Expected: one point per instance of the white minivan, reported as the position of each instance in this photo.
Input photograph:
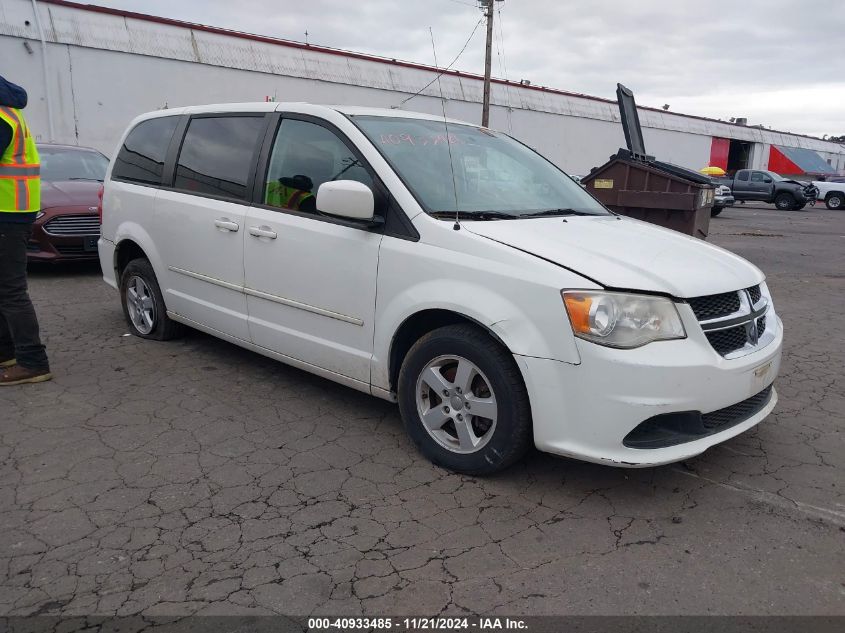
(442, 265)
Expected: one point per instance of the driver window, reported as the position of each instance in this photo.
(304, 156)
(759, 176)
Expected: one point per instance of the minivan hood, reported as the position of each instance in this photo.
(624, 253)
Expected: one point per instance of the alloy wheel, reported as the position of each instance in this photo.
(140, 304)
(456, 404)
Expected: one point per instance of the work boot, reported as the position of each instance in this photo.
(17, 375)
(8, 362)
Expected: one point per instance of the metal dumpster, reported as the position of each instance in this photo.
(637, 185)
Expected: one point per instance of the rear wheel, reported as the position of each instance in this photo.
(784, 201)
(834, 201)
(463, 401)
(143, 303)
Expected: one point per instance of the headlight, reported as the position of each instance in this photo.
(618, 319)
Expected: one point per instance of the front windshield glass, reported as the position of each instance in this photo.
(70, 164)
(493, 173)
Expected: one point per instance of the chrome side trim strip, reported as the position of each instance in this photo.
(302, 306)
(269, 297)
(211, 280)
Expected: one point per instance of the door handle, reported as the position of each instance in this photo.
(226, 224)
(262, 231)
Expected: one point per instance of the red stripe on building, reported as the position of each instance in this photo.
(780, 164)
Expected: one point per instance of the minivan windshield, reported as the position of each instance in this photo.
(491, 176)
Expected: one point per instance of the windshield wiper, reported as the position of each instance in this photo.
(477, 215)
(81, 178)
(559, 212)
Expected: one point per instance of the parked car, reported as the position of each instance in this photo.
(68, 226)
(832, 192)
(722, 197)
(355, 243)
(767, 186)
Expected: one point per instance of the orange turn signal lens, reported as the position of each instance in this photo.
(578, 308)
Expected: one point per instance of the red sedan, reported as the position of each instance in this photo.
(67, 227)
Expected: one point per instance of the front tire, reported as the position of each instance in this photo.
(463, 401)
(834, 201)
(784, 201)
(143, 303)
(714, 211)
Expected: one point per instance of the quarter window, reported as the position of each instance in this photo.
(216, 155)
(305, 155)
(141, 158)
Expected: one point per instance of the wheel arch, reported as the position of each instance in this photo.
(418, 325)
(125, 251)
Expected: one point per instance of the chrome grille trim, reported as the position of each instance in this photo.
(739, 332)
(80, 225)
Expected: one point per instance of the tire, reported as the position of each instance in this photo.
(784, 201)
(143, 303)
(798, 206)
(834, 201)
(714, 211)
(495, 385)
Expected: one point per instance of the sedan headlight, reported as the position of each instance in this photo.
(623, 320)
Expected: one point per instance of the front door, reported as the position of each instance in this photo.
(310, 278)
(199, 224)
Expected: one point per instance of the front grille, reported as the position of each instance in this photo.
(714, 306)
(729, 340)
(73, 225)
(761, 326)
(736, 413)
(754, 291)
(71, 250)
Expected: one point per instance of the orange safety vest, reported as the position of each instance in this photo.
(20, 168)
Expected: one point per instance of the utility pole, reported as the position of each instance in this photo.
(485, 108)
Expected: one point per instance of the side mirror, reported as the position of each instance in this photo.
(346, 199)
(767, 180)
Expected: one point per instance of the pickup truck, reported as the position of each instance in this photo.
(767, 186)
(832, 192)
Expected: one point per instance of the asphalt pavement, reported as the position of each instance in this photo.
(196, 477)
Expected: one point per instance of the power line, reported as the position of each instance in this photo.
(442, 72)
(504, 65)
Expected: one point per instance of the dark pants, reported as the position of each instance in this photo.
(19, 337)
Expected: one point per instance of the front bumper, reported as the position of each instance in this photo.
(585, 411)
(48, 247)
(723, 201)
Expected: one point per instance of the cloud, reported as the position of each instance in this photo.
(775, 62)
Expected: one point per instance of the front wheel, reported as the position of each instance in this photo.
(714, 211)
(143, 303)
(463, 401)
(784, 201)
(834, 201)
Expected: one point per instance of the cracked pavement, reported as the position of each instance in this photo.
(194, 477)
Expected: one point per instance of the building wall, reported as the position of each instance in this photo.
(105, 69)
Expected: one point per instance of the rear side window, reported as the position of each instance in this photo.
(141, 158)
(217, 155)
(743, 175)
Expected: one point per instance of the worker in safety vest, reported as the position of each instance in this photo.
(292, 193)
(22, 356)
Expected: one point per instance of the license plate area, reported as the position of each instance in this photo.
(89, 243)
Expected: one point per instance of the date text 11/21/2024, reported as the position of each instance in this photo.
(417, 624)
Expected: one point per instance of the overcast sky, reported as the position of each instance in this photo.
(776, 62)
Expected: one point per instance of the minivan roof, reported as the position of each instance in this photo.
(300, 107)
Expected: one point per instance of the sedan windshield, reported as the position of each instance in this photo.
(71, 164)
(473, 170)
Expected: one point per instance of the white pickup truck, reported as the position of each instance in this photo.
(831, 192)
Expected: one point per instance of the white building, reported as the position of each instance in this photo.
(105, 66)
